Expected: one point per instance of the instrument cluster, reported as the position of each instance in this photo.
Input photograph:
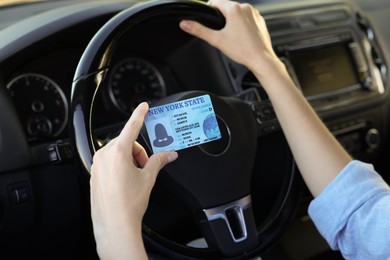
(41, 104)
(132, 81)
(42, 98)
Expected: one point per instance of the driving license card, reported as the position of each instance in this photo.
(182, 124)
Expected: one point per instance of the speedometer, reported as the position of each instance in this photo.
(41, 105)
(133, 81)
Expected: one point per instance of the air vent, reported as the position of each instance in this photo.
(330, 17)
(374, 51)
(281, 25)
(306, 21)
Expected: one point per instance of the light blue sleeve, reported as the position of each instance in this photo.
(353, 213)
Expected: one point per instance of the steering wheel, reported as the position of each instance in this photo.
(217, 180)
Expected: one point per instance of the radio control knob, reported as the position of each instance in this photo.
(373, 138)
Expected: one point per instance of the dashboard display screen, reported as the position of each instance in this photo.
(323, 70)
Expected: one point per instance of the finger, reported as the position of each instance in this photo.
(132, 128)
(218, 3)
(198, 30)
(157, 161)
(226, 7)
(140, 155)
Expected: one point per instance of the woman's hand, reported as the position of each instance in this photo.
(122, 178)
(244, 38)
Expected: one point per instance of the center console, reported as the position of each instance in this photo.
(332, 55)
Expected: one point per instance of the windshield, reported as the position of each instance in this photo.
(17, 2)
(13, 11)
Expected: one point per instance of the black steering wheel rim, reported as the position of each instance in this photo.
(89, 75)
(95, 60)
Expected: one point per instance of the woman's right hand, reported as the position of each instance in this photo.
(244, 38)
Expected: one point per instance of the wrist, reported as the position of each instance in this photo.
(121, 241)
(271, 72)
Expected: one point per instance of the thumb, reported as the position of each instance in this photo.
(198, 30)
(157, 161)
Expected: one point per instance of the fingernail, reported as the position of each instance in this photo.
(142, 104)
(185, 25)
(172, 156)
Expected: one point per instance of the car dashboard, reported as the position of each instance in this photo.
(337, 53)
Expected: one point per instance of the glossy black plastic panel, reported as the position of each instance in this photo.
(14, 151)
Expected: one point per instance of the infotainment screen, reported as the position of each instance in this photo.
(324, 69)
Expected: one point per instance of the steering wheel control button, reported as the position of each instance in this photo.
(263, 111)
(265, 117)
(270, 128)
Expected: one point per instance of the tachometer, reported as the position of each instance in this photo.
(41, 105)
(133, 81)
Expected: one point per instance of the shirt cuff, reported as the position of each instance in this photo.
(352, 187)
